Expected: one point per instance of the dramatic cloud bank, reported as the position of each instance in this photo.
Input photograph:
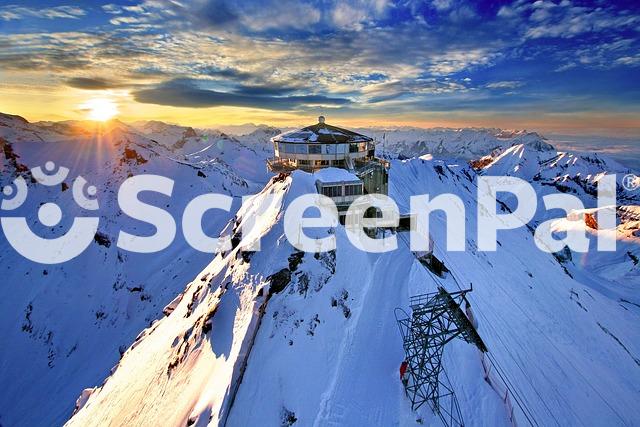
(358, 58)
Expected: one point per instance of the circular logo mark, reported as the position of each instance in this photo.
(49, 250)
(631, 182)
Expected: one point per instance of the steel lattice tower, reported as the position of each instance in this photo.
(436, 318)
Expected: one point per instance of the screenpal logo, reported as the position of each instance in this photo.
(360, 225)
(43, 250)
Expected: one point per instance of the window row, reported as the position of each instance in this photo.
(321, 148)
(337, 163)
(336, 190)
(353, 190)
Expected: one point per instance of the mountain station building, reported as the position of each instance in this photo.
(342, 161)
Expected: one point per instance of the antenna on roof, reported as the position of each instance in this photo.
(321, 120)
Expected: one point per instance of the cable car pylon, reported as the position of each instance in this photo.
(436, 319)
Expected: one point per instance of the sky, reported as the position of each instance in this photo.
(563, 66)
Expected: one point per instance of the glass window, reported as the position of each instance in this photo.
(300, 148)
(315, 149)
(329, 149)
(341, 148)
(332, 191)
(353, 190)
(353, 148)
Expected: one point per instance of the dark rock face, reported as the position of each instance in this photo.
(12, 157)
(102, 239)
(295, 259)
(590, 221)
(279, 281)
(131, 154)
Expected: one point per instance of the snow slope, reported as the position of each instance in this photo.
(571, 172)
(577, 174)
(63, 327)
(464, 144)
(245, 154)
(327, 348)
(315, 342)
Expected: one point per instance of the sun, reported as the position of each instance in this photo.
(100, 109)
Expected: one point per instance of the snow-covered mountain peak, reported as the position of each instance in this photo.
(461, 143)
(539, 162)
(11, 119)
(540, 144)
(263, 133)
(312, 337)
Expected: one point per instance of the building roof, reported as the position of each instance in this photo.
(334, 175)
(321, 133)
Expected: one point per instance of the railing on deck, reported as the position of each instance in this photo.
(276, 164)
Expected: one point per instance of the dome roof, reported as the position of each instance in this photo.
(321, 133)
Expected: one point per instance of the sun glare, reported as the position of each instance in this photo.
(100, 109)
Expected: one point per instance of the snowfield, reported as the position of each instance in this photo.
(280, 337)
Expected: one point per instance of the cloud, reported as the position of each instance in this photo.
(411, 90)
(127, 20)
(27, 53)
(265, 90)
(261, 16)
(92, 83)
(629, 60)
(506, 84)
(252, 16)
(112, 8)
(15, 12)
(442, 4)
(181, 93)
(546, 19)
(136, 9)
(459, 60)
(67, 52)
(462, 14)
(346, 16)
(601, 54)
(279, 14)
(281, 55)
(354, 14)
(215, 13)
(225, 72)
